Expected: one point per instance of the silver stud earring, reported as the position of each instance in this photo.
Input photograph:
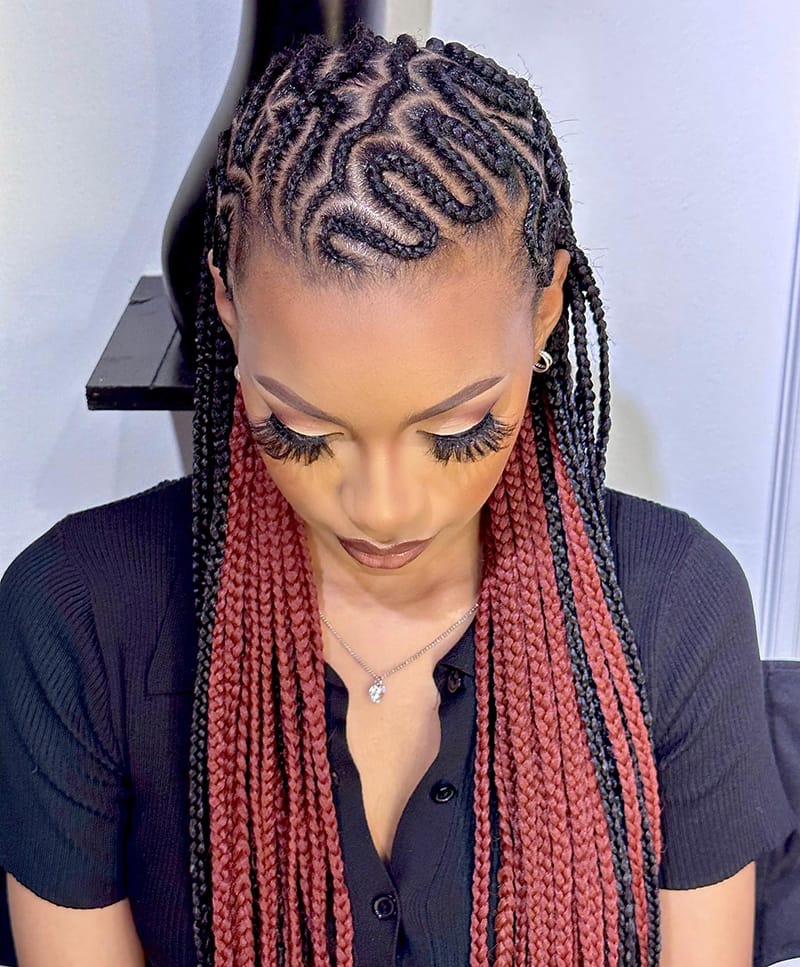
(543, 363)
(236, 372)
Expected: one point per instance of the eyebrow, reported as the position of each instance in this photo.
(291, 398)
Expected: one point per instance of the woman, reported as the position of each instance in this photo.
(454, 700)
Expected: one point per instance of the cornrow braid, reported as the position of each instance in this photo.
(358, 160)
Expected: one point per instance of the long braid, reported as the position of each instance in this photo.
(211, 426)
(563, 729)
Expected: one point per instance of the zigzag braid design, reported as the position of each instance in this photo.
(379, 107)
(334, 111)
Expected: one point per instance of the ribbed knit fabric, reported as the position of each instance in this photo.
(97, 641)
(97, 656)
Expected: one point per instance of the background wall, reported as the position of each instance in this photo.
(101, 112)
(681, 130)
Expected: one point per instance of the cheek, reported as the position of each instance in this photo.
(469, 489)
(304, 487)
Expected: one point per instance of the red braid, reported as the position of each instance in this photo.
(270, 797)
(273, 824)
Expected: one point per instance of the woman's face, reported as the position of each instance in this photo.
(387, 415)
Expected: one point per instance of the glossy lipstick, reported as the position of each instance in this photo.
(388, 558)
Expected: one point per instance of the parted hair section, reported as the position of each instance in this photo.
(357, 161)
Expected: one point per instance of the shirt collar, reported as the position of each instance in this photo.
(462, 654)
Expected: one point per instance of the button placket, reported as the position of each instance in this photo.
(376, 910)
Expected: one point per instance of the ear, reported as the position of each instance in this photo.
(551, 301)
(224, 302)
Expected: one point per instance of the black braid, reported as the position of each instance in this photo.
(377, 114)
(213, 410)
(602, 755)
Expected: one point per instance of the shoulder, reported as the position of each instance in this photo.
(133, 530)
(667, 560)
(687, 599)
(96, 589)
(653, 543)
(691, 611)
(83, 612)
(111, 543)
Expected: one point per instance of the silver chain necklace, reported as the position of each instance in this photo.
(378, 687)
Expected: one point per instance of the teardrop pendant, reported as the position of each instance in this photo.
(377, 690)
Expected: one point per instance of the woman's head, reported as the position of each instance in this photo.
(387, 225)
(361, 367)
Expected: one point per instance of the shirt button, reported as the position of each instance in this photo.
(454, 682)
(443, 792)
(384, 906)
(334, 777)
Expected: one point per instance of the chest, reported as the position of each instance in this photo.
(392, 746)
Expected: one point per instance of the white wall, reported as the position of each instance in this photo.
(100, 112)
(680, 127)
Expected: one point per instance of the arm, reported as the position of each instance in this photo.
(46, 934)
(710, 924)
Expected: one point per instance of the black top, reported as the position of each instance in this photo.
(97, 652)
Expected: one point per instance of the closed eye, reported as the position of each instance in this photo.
(282, 443)
(485, 437)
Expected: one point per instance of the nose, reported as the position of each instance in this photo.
(384, 498)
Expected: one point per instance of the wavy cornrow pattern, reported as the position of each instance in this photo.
(360, 160)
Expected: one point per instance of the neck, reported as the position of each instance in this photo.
(440, 581)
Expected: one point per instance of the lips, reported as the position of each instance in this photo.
(374, 549)
(384, 557)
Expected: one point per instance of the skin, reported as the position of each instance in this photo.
(46, 934)
(370, 358)
(709, 925)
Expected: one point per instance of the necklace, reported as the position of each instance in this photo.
(378, 687)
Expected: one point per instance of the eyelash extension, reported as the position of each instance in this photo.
(281, 443)
(476, 442)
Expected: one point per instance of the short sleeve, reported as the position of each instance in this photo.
(723, 803)
(63, 796)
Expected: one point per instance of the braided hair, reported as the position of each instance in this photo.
(563, 747)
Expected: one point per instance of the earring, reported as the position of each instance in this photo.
(543, 363)
(236, 372)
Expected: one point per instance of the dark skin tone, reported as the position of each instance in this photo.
(370, 359)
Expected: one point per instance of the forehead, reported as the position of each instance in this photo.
(469, 304)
